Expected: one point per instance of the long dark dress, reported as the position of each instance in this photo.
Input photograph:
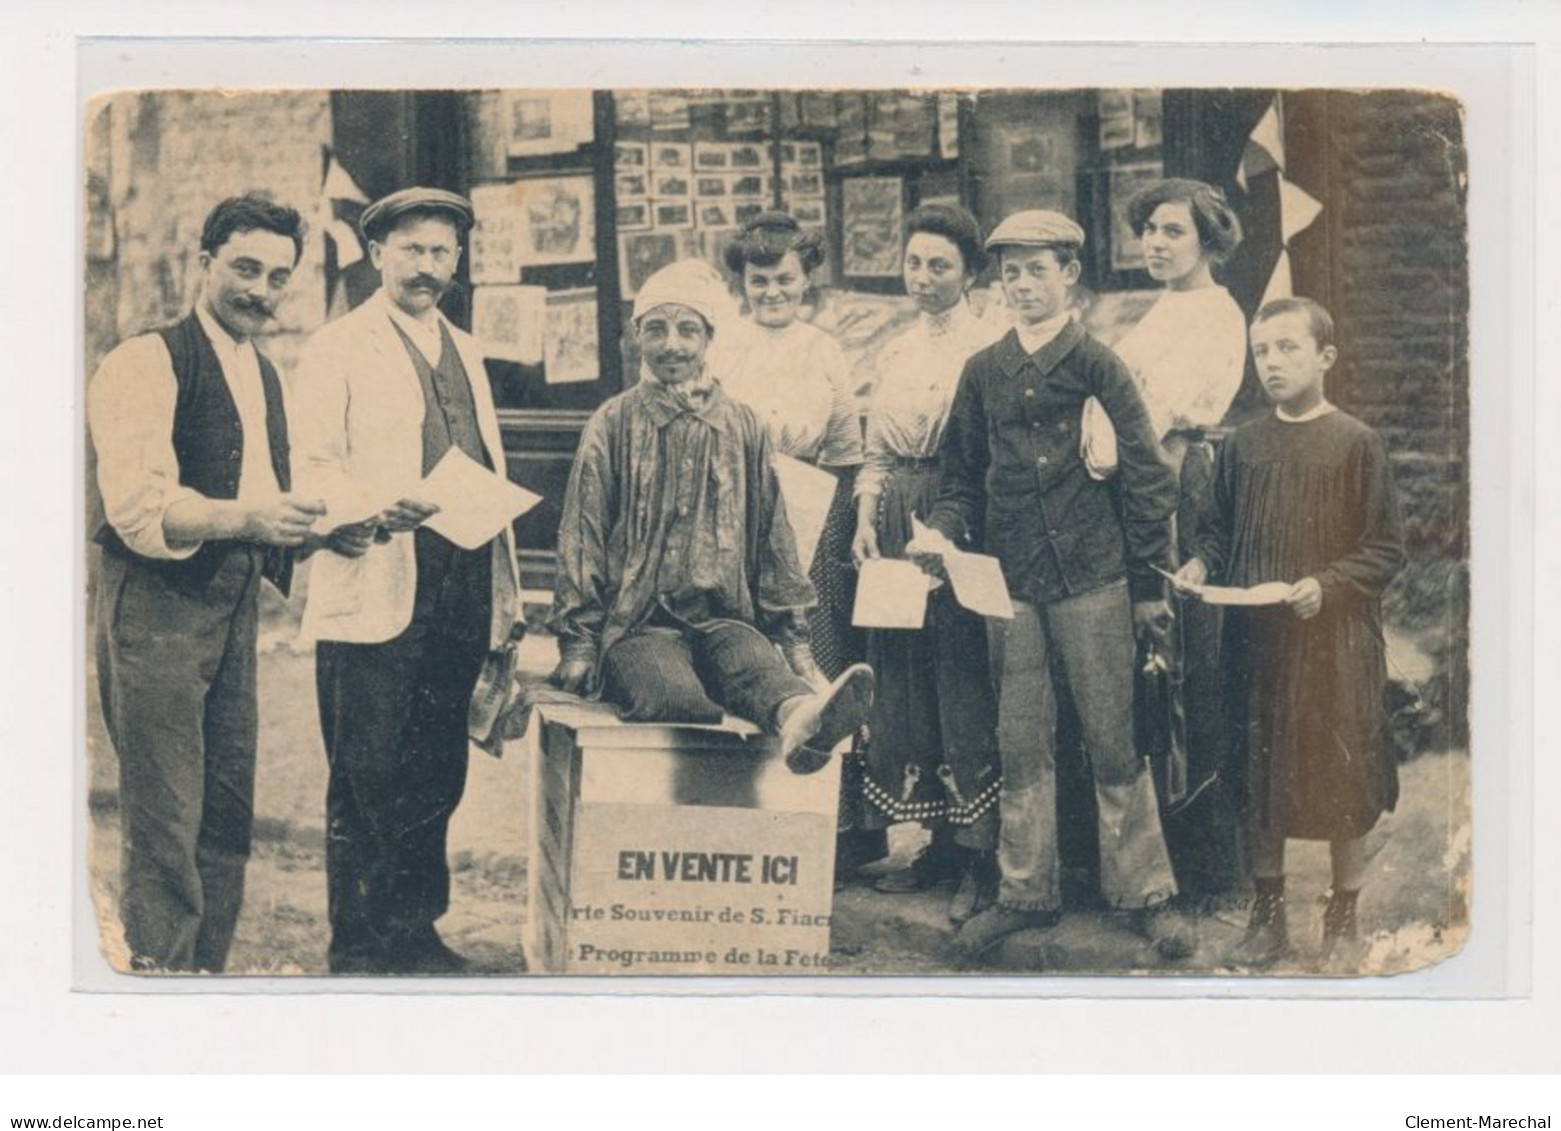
(933, 755)
(1294, 500)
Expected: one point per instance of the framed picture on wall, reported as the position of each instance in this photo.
(1127, 252)
(872, 213)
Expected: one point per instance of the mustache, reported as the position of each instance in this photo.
(253, 305)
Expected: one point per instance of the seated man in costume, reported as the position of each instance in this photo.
(679, 593)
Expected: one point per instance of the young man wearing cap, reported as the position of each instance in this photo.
(403, 617)
(1079, 555)
(190, 433)
(679, 595)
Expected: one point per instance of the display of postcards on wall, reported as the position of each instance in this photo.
(900, 126)
(851, 144)
(630, 156)
(805, 184)
(535, 222)
(746, 156)
(807, 211)
(1115, 108)
(1127, 252)
(642, 254)
(747, 112)
(745, 210)
(547, 121)
(948, 125)
(1148, 131)
(674, 214)
(712, 155)
(819, 110)
(670, 183)
(507, 320)
(790, 109)
(570, 337)
(713, 215)
(872, 211)
(670, 155)
(749, 184)
(801, 155)
(668, 110)
(633, 215)
(631, 109)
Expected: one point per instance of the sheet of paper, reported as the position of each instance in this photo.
(977, 579)
(475, 504)
(362, 504)
(1268, 593)
(890, 593)
(979, 585)
(808, 493)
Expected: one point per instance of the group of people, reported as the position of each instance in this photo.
(680, 594)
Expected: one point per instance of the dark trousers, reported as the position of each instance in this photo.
(394, 720)
(176, 670)
(697, 674)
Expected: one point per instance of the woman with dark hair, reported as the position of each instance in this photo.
(797, 379)
(933, 751)
(1189, 351)
(1187, 355)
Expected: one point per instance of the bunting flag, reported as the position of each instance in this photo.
(1297, 208)
(341, 203)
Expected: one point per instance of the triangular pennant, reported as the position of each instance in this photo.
(339, 184)
(1297, 209)
(1268, 136)
(1279, 283)
(349, 249)
(1254, 162)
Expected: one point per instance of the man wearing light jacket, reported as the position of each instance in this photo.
(403, 617)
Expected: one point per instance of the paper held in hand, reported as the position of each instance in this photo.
(475, 504)
(1268, 593)
(890, 593)
(977, 578)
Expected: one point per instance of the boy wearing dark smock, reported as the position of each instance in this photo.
(1304, 495)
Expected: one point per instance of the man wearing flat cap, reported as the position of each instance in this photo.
(679, 594)
(403, 617)
(1080, 553)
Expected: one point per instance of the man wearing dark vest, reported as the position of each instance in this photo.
(403, 617)
(192, 462)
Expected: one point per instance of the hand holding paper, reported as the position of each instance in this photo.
(474, 504)
(1268, 593)
(977, 578)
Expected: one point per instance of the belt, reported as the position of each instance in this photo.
(914, 463)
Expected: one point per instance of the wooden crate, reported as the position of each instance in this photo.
(676, 849)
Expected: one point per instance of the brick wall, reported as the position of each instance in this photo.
(1390, 258)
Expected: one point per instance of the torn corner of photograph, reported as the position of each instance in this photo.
(475, 504)
(890, 593)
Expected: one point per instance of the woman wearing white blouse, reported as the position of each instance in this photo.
(1188, 355)
(933, 751)
(797, 379)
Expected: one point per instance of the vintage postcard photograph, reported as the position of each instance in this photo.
(705, 532)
